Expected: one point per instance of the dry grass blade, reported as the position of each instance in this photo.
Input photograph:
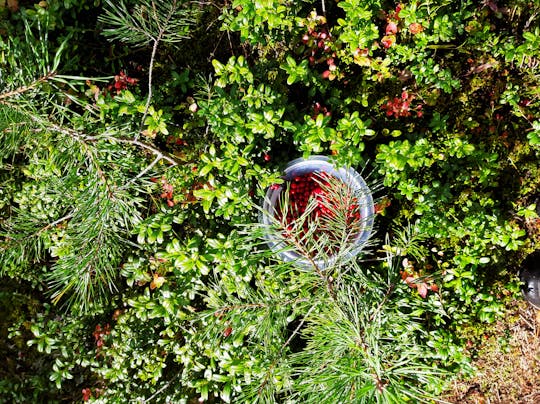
(508, 363)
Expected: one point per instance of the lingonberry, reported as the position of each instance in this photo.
(391, 28)
(388, 40)
(326, 204)
(415, 28)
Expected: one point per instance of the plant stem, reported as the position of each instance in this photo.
(149, 96)
(146, 169)
(156, 41)
(383, 301)
(148, 147)
(162, 389)
(223, 310)
(87, 138)
(300, 248)
(29, 87)
(273, 364)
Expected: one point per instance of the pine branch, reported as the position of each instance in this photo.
(29, 55)
(301, 249)
(361, 343)
(266, 378)
(98, 207)
(246, 306)
(156, 41)
(149, 22)
(14, 128)
(93, 242)
(162, 155)
(324, 243)
(24, 89)
(46, 124)
(25, 234)
(355, 354)
(90, 240)
(94, 183)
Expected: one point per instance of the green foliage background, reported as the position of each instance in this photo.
(137, 139)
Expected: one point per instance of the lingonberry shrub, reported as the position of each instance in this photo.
(402, 106)
(122, 82)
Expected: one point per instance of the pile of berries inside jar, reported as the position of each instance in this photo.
(325, 198)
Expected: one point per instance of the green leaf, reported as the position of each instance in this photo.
(226, 393)
(292, 78)
(206, 204)
(218, 66)
(484, 260)
(205, 170)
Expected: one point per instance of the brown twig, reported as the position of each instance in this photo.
(146, 146)
(155, 44)
(223, 310)
(24, 89)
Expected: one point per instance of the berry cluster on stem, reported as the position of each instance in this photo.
(319, 45)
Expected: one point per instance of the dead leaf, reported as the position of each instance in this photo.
(157, 282)
(13, 5)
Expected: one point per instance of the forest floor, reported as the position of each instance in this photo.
(508, 362)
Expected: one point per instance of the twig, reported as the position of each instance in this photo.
(9, 242)
(147, 168)
(273, 364)
(255, 306)
(149, 97)
(29, 87)
(297, 329)
(162, 389)
(146, 146)
(526, 321)
(57, 221)
(156, 41)
(83, 138)
(327, 279)
(87, 138)
(383, 301)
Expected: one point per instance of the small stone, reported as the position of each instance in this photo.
(530, 278)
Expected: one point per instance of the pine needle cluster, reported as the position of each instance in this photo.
(327, 326)
(90, 179)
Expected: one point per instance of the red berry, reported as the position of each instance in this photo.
(391, 28)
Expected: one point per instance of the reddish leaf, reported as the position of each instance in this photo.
(422, 289)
